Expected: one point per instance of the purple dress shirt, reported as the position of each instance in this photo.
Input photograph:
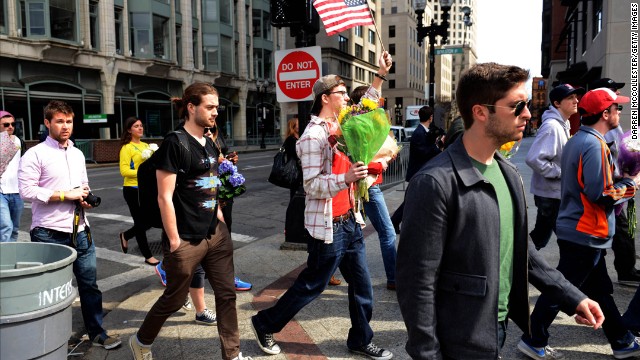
(44, 169)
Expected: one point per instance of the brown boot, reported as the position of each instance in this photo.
(334, 281)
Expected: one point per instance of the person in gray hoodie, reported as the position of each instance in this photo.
(544, 159)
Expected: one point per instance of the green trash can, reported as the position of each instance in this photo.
(35, 300)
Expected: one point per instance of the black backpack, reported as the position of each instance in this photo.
(148, 182)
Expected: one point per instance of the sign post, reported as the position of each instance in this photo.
(296, 72)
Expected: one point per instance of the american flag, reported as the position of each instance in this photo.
(340, 15)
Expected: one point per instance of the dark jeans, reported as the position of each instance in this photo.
(545, 220)
(631, 317)
(84, 269)
(215, 254)
(585, 268)
(624, 246)
(396, 218)
(346, 252)
(130, 194)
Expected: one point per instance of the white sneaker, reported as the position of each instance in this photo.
(187, 304)
(138, 351)
(240, 357)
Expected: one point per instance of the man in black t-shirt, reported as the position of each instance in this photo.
(194, 231)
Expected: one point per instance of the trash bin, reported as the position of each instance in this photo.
(35, 300)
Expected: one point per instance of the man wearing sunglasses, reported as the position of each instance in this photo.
(544, 159)
(463, 256)
(586, 223)
(11, 204)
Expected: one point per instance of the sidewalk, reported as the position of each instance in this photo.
(320, 330)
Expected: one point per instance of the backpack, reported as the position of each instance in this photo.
(148, 182)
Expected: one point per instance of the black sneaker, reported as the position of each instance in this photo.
(631, 279)
(373, 352)
(266, 341)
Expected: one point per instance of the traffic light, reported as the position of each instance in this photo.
(294, 13)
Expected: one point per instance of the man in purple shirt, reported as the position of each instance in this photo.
(53, 177)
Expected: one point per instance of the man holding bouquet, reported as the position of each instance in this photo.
(586, 222)
(328, 179)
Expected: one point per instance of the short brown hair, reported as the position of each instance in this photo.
(486, 83)
(193, 94)
(57, 106)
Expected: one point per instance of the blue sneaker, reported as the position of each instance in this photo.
(242, 285)
(162, 274)
(546, 352)
(630, 351)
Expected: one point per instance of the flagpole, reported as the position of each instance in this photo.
(376, 27)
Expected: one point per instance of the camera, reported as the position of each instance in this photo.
(92, 200)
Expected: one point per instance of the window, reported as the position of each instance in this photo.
(196, 51)
(372, 37)
(394, 9)
(392, 84)
(393, 68)
(140, 35)
(372, 57)
(358, 31)
(62, 16)
(392, 31)
(392, 49)
(210, 10)
(360, 74)
(179, 44)
(358, 53)
(266, 25)
(584, 26)
(226, 8)
(262, 64)
(226, 54)
(596, 23)
(3, 24)
(117, 15)
(161, 38)
(343, 44)
(93, 24)
(344, 69)
(210, 43)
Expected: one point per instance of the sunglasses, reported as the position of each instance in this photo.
(12, 124)
(518, 107)
(210, 129)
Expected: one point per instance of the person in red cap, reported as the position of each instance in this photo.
(544, 159)
(586, 223)
(624, 246)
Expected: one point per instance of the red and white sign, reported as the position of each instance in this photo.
(296, 72)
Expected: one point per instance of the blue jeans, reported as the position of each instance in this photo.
(11, 206)
(545, 220)
(585, 268)
(376, 211)
(347, 252)
(84, 268)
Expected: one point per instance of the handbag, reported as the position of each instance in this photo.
(284, 173)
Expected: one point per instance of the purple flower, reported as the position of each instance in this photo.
(629, 154)
(226, 167)
(236, 180)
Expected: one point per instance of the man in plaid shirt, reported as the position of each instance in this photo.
(329, 217)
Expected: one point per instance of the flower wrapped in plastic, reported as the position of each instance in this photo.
(231, 181)
(629, 154)
(364, 129)
(509, 149)
(146, 153)
(387, 152)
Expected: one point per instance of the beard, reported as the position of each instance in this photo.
(204, 122)
(500, 133)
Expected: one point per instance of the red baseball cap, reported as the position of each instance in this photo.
(597, 100)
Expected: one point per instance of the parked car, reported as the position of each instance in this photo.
(400, 133)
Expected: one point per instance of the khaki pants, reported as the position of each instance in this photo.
(216, 256)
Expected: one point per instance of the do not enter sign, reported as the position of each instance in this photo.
(297, 70)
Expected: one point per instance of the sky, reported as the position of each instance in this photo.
(509, 32)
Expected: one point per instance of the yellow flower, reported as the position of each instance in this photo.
(343, 114)
(369, 104)
(507, 147)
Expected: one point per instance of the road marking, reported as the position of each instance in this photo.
(142, 271)
(255, 167)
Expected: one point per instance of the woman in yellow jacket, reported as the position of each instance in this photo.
(132, 154)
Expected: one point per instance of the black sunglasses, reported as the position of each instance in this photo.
(519, 106)
(210, 129)
(9, 124)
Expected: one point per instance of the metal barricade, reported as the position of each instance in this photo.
(86, 146)
(397, 169)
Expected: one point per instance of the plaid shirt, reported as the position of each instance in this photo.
(320, 184)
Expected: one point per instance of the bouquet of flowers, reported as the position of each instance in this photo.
(364, 128)
(231, 181)
(509, 149)
(146, 153)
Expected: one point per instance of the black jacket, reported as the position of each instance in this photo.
(421, 149)
(449, 257)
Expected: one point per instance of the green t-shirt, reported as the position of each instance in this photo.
(494, 175)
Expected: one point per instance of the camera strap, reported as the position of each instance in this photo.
(78, 214)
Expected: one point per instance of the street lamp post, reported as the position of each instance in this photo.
(262, 86)
(432, 31)
(398, 108)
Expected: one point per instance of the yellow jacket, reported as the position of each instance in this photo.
(130, 160)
